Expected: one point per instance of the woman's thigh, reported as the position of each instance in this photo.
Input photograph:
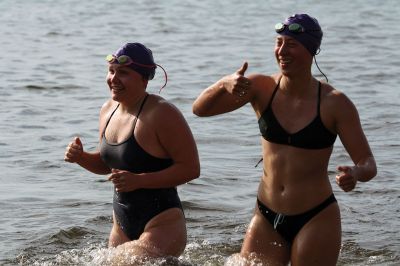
(165, 234)
(318, 242)
(117, 236)
(264, 243)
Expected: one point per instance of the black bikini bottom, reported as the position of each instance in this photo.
(289, 225)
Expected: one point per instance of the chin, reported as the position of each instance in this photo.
(285, 71)
(115, 97)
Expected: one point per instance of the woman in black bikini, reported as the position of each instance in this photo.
(297, 218)
(147, 149)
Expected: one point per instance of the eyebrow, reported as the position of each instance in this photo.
(284, 37)
(116, 66)
(289, 39)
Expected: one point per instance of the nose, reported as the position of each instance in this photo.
(281, 49)
(112, 77)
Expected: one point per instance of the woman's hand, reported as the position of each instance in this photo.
(346, 179)
(236, 83)
(124, 181)
(74, 151)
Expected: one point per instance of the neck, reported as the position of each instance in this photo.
(296, 85)
(132, 105)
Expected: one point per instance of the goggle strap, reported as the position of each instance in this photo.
(165, 76)
(143, 65)
(315, 60)
(151, 66)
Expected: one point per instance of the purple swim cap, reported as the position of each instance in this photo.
(141, 55)
(312, 35)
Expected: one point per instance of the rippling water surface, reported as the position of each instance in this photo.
(53, 85)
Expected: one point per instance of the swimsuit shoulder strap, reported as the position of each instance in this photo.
(109, 118)
(140, 110)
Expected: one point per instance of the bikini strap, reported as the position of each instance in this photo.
(269, 106)
(319, 98)
(273, 94)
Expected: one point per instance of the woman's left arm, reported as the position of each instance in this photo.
(349, 129)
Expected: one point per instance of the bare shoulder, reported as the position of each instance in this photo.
(337, 107)
(162, 110)
(108, 107)
(260, 81)
(106, 111)
(334, 98)
(262, 87)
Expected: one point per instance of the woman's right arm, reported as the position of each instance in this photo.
(227, 94)
(91, 161)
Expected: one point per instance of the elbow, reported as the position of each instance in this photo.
(374, 172)
(197, 110)
(197, 173)
(202, 107)
(193, 172)
(367, 178)
(367, 169)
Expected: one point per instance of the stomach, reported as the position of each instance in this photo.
(294, 179)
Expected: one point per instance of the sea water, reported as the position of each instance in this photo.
(53, 84)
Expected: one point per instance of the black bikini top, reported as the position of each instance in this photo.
(314, 136)
(129, 155)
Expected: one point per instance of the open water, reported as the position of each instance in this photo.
(52, 71)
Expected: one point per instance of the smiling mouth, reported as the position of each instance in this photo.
(284, 61)
(116, 88)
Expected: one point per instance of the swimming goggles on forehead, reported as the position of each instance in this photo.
(294, 28)
(125, 60)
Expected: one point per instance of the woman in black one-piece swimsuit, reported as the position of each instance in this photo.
(147, 149)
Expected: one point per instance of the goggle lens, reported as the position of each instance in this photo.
(122, 60)
(279, 27)
(294, 27)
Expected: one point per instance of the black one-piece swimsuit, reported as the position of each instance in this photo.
(134, 209)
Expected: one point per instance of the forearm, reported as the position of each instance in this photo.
(93, 163)
(365, 169)
(173, 176)
(208, 99)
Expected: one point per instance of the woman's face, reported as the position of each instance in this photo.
(124, 83)
(291, 55)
